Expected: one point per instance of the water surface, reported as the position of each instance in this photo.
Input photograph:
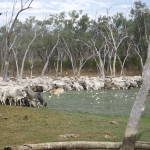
(108, 102)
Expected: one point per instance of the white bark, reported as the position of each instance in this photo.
(138, 53)
(79, 145)
(31, 64)
(82, 63)
(25, 54)
(68, 52)
(123, 63)
(16, 62)
(48, 57)
(10, 23)
(57, 67)
(115, 42)
(138, 107)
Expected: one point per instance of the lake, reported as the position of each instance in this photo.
(108, 102)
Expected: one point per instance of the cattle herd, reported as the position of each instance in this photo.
(27, 92)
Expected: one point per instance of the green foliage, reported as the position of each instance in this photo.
(81, 33)
(26, 65)
(67, 64)
(90, 64)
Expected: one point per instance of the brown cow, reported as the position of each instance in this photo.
(56, 91)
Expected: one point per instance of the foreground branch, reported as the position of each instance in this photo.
(78, 145)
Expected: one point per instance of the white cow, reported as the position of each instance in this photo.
(12, 93)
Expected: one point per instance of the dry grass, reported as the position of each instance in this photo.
(20, 125)
(84, 72)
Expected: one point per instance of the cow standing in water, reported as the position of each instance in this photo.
(35, 97)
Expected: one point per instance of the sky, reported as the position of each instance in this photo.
(42, 8)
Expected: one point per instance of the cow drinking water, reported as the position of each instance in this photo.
(35, 97)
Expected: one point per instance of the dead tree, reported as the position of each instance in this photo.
(77, 145)
(138, 107)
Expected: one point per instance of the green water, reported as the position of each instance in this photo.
(108, 102)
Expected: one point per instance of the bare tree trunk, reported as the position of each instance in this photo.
(122, 66)
(110, 68)
(138, 108)
(48, 58)
(57, 67)
(101, 63)
(82, 63)
(114, 64)
(16, 62)
(61, 67)
(31, 64)
(71, 58)
(78, 145)
(31, 68)
(25, 54)
(6, 58)
(9, 30)
(141, 59)
(2, 62)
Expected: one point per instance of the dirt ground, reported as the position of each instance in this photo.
(88, 73)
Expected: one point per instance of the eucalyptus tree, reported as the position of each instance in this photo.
(68, 35)
(82, 36)
(60, 58)
(2, 47)
(26, 34)
(138, 108)
(140, 30)
(115, 34)
(9, 26)
(34, 29)
(52, 40)
(99, 44)
(122, 61)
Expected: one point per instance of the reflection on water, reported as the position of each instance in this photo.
(109, 102)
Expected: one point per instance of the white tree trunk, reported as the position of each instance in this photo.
(48, 58)
(16, 62)
(10, 23)
(77, 145)
(25, 54)
(138, 108)
(70, 56)
(57, 67)
(114, 64)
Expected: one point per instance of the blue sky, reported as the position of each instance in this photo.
(41, 8)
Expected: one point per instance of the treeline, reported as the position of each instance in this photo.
(75, 41)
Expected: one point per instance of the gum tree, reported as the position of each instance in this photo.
(138, 107)
(9, 26)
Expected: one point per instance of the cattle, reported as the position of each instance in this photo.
(35, 97)
(11, 95)
(76, 86)
(108, 84)
(56, 91)
(37, 88)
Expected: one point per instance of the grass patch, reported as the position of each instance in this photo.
(19, 125)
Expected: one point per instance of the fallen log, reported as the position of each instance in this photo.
(77, 145)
